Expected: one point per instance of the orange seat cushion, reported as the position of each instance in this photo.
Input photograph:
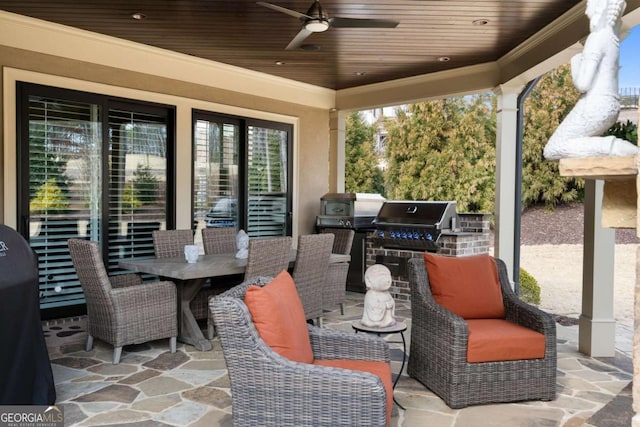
(278, 316)
(495, 340)
(381, 369)
(467, 286)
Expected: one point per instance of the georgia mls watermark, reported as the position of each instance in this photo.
(31, 416)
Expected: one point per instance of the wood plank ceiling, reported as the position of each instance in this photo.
(248, 35)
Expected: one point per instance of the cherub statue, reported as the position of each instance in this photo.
(242, 242)
(595, 74)
(379, 306)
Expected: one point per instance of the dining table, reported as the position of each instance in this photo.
(190, 277)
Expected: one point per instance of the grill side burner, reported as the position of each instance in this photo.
(414, 225)
(349, 210)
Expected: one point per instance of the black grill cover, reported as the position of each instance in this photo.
(25, 370)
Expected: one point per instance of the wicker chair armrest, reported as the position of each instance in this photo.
(144, 295)
(443, 333)
(520, 312)
(440, 328)
(343, 394)
(331, 344)
(124, 280)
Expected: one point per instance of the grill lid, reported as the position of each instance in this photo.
(397, 214)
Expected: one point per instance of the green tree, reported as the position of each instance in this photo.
(45, 166)
(546, 107)
(49, 198)
(444, 150)
(362, 173)
(143, 186)
(130, 201)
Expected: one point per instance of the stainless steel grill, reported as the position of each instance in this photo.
(414, 225)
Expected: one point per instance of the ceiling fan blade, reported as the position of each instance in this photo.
(298, 39)
(284, 10)
(362, 23)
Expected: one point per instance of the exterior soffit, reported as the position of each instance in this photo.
(547, 49)
(34, 35)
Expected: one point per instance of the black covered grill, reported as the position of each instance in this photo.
(413, 225)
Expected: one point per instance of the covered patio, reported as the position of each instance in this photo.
(191, 388)
(42, 51)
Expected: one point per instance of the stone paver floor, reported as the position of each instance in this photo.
(151, 387)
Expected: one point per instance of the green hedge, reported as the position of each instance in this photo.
(529, 288)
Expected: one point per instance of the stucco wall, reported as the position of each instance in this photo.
(311, 125)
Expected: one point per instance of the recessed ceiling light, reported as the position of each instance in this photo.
(444, 59)
(360, 73)
(310, 47)
(280, 62)
(480, 22)
(139, 16)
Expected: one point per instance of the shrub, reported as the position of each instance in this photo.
(529, 288)
(49, 198)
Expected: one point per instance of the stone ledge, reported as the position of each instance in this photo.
(607, 168)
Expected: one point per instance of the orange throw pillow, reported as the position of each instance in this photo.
(381, 369)
(467, 286)
(495, 340)
(279, 318)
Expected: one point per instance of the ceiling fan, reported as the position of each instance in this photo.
(317, 21)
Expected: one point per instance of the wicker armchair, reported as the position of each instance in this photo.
(270, 390)
(268, 257)
(310, 272)
(438, 353)
(170, 244)
(336, 284)
(121, 310)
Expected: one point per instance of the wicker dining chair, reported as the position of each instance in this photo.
(268, 257)
(335, 289)
(217, 240)
(439, 348)
(170, 244)
(121, 309)
(310, 272)
(268, 389)
(221, 240)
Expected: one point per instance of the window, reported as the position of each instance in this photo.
(86, 161)
(242, 174)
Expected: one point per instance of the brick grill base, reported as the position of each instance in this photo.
(472, 239)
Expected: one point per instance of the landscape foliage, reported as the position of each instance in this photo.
(445, 149)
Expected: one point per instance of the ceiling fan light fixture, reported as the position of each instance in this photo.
(316, 25)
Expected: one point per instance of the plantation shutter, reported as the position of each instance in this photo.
(215, 172)
(267, 181)
(64, 145)
(94, 168)
(137, 183)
